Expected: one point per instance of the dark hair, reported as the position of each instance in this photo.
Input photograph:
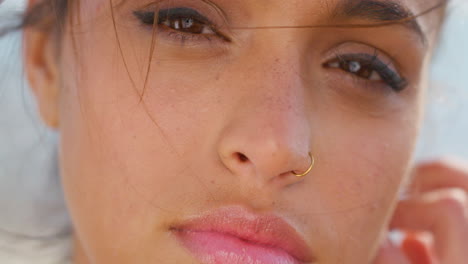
(46, 15)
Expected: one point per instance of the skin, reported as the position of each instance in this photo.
(137, 159)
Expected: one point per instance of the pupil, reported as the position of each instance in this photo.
(354, 66)
(187, 22)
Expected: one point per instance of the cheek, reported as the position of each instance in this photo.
(363, 164)
(107, 144)
(120, 156)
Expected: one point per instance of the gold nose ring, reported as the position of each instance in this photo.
(312, 163)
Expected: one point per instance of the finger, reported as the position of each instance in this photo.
(418, 247)
(442, 213)
(430, 176)
(390, 254)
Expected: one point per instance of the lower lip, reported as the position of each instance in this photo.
(218, 248)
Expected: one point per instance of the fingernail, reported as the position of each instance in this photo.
(416, 250)
(396, 237)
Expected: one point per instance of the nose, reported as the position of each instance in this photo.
(266, 139)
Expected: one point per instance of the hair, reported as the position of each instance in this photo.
(44, 15)
(47, 14)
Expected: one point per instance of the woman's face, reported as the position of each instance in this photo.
(214, 119)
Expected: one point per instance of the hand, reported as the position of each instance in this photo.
(436, 216)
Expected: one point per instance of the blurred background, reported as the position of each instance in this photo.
(31, 205)
(445, 131)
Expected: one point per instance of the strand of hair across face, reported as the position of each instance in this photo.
(367, 25)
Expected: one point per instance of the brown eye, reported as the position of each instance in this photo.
(360, 69)
(188, 25)
(180, 19)
(370, 68)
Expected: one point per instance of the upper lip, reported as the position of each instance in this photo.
(265, 230)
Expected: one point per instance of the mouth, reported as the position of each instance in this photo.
(233, 235)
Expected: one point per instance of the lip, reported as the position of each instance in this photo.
(235, 235)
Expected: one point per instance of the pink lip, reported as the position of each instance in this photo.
(234, 235)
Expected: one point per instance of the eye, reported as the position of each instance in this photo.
(370, 68)
(181, 20)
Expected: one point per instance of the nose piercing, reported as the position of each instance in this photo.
(312, 163)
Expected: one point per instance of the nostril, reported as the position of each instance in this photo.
(242, 158)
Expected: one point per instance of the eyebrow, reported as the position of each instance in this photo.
(383, 13)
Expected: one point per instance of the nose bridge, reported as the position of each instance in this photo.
(276, 92)
(269, 125)
(273, 74)
(275, 112)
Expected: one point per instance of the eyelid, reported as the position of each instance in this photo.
(206, 8)
(150, 15)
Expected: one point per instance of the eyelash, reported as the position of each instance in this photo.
(179, 21)
(175, 22)
(368, 67)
